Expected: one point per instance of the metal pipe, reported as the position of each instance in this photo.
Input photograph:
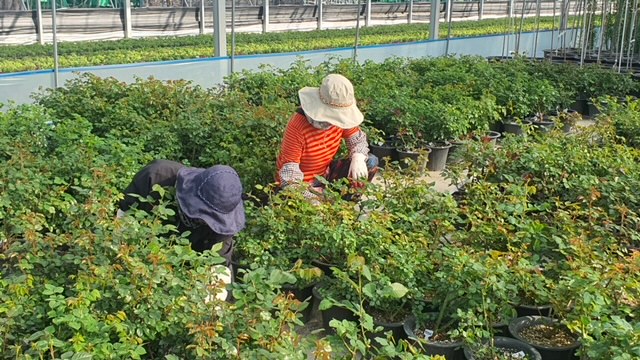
(449, 6)
(602, 29)
(553, 27)
(40, 27)
(624, 25)
(632, 39)
(355, 45)
(584, 36)
(535, 43)
(233, 33)
(55, 45)
(524, 3)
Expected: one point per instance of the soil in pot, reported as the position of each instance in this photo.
(504, 348)
(422, 335)
(553, 340)
(390, 322)
(438, 156)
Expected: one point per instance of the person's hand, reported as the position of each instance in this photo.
(358, 166)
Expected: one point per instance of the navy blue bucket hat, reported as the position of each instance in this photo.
(213, 195)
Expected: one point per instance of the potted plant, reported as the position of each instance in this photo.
(552, 339)
(382, 147)
(515, 125)
(501, 348)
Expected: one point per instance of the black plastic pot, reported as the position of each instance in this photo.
(302, 294)
(396, 328)
(548, 353)
(534, 310)
(581, 105)
(413, 156)
(502, 342)
(512, 127)
(438, 156)
(382, 152)
(331, 313)
(491, 136)
(543, 126)
(455, 145)
(450, 350)
(325, 267)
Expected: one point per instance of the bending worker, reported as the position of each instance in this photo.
(208, 203)
(314, 134)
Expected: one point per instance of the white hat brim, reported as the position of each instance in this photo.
(346, 117)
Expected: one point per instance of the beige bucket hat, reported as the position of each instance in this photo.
(333, 102)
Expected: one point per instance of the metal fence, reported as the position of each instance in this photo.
(186, 19)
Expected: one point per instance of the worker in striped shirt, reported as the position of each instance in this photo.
(314, 134)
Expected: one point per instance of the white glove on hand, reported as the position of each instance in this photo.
(358, 166)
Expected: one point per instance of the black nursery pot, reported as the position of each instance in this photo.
(510, 344)
(438, 156)
(450, 350)
(302, 294)
(512, 127)
(384, 151)
(413, 155)
(534, 310)
(548, 353)
(331, 313)
(396, 328)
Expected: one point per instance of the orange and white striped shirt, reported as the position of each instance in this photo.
(313, 149)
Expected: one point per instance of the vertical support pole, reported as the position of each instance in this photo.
(265, 16)
(447, 11)
(202, 17)
(319, 7)
(40, 27)
(54, 26)
(435, 19)
(535, 42)
(220, 28)
(367, 19)
(510, 6)
(233, 34)
(564, 15)
(480, 9)
(127, 19)
(355, 44)
(603, 28)
(410, 15)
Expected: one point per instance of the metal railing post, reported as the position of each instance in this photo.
(40, 27)
(367, 19)
(220, 28)
(127, 19)
(319, 6)
(265, 16)
(202, 17)
(435, 19)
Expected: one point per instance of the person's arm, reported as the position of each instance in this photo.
(290, 156)
(356, 141)
(358, 147)
(161, 172)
